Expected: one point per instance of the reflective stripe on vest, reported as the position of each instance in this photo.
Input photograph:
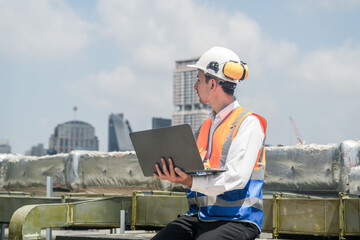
(222, 138)
(239, 204)
(223, 200)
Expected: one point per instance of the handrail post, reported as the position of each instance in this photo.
(276, 197)
(49, 193)
(122, 221)
(342, 225)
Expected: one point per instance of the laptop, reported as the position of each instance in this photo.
(177, 142)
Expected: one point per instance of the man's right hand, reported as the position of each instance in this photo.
(172, 174)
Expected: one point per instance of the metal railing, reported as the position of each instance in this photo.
(284, 214)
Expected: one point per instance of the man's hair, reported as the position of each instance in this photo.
(228, 91)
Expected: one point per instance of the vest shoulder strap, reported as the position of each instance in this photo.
(263, 122)
(239, 120)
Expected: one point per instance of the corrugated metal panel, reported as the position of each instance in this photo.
(308, 216)
(156, 209)
(320, 216)
(351, 210)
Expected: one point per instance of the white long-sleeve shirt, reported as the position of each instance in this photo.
(241, 157)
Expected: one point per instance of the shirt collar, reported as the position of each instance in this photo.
(224, 112)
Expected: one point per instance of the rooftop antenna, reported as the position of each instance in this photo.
(75, 109)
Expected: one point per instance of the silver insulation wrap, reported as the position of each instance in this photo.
(311, 168)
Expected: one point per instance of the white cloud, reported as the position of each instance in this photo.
(335, 70)
(104, 89)
(261, 104)
(157, 33)
(123, 90)
(152, 35)
(121, 80)
(40, 28)
(154, 56)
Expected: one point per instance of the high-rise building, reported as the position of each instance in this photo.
(119, 129)
(188, 108)
(5, 146)
(36, 150)
(73, 135)
(160, 122)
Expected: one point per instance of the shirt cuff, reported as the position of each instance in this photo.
(198, 183)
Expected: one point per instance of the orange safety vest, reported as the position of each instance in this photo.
(245, 204)
(222, 138)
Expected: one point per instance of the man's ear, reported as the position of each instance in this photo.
(213, 83)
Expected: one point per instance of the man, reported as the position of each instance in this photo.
(226, 205)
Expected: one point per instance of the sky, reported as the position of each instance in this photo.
(118, 56)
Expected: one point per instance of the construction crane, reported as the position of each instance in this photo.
(301, 141)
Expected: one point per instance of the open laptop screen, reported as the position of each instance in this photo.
(176, 142)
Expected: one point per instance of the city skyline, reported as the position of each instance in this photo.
(73, 135)
(119, 56)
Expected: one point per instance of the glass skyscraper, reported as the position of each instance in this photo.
(119, 130)
(160, 122)
(188, 108)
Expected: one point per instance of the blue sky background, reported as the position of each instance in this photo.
(118, 56)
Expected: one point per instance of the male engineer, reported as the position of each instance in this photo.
(229, 204)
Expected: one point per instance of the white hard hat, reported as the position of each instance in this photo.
(222, 63)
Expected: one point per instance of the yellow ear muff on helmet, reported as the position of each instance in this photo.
(234, 70)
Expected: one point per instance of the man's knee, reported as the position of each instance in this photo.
(181, 228)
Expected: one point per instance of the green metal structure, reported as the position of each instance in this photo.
(349, 215)
(306, 215)
(288, 214)
(153, 209)
(10, 202)
(27, 221)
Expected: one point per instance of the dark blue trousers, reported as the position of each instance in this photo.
(190, 227)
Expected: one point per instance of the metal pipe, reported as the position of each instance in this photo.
(49, 193)
(122, 221)
(49, 186)
(27, 221)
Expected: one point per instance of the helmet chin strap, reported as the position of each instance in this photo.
(228, 85)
